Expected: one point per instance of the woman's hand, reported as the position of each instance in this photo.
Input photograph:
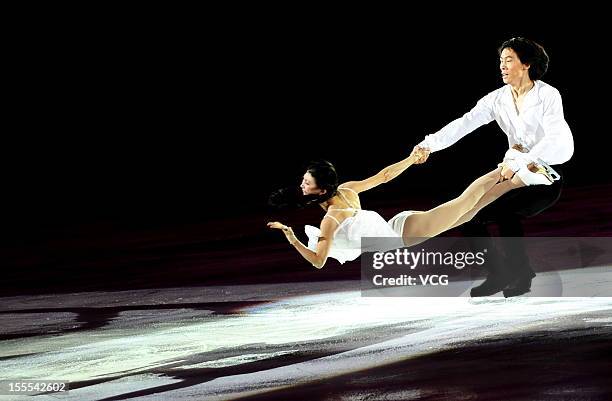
(286, 230)
(421, 154)
(276, 224)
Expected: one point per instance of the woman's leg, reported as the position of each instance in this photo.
(493, 194)
(420, 226)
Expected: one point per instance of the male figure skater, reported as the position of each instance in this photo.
(530, 113)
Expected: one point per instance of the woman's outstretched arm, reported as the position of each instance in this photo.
(385, 175)
(318, 258)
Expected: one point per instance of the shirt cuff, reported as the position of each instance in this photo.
(424, 144)
(514, 160)
(513, 165)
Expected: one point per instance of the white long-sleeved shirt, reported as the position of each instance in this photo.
(540, 127)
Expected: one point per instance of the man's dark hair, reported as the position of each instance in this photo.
(530, 53)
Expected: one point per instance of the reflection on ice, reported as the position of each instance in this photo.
(132, 346)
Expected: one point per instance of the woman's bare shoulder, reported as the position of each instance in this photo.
(351, 194)
(347, 186)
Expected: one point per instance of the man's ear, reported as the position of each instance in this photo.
(323, 192)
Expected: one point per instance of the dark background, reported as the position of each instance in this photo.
(165, 123)
(121, 127)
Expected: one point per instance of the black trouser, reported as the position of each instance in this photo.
(508, 212)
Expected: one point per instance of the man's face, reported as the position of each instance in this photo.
(512, 69)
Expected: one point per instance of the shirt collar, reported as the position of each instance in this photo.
(532, 98)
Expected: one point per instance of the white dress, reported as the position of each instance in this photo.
(346, 243)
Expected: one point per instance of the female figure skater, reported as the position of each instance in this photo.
(346, 222)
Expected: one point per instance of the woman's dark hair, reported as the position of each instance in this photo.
(530, 53)
(326, 178)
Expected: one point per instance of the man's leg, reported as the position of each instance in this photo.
(508, 213)
(511, 231)
(516, 260)
(497, 276)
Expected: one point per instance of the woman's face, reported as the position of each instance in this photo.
(309, 185)
(512, 70)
